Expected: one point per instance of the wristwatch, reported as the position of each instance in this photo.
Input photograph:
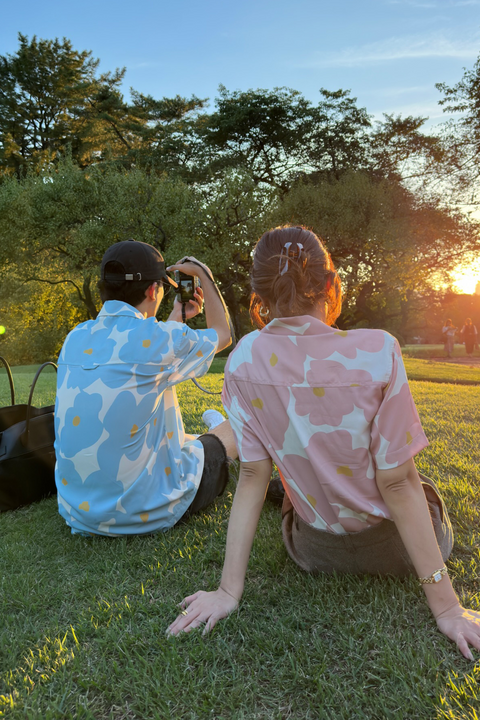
(435, 577)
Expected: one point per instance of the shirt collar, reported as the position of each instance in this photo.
(116, 308)
(297, 325)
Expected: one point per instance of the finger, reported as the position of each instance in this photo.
(175, 627)
(195, 303)
(210, 624)
(190, 598)
(463, 646)
(473, 639)
(181, 623)
(185, 624)
(183, 267)
(193, 625)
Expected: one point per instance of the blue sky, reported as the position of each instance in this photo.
(389, 53)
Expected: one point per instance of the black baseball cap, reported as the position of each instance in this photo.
(138, 260)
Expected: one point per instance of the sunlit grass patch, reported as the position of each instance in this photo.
(82, 632)
(434, 371)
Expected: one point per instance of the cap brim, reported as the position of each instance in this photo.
(169, 280)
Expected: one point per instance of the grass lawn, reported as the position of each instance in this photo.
(83, 620)
(441, 372)
(436, 351)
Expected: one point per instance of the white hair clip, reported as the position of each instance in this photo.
(287, 253)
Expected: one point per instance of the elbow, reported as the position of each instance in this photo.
(257, 471)
(224, 341)
(395, 487)
(398, 482)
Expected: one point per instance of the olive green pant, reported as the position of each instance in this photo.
(379, 550)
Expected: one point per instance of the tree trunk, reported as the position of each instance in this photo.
(88, 299)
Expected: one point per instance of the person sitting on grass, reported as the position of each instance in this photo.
(124, 463)
(333, 410)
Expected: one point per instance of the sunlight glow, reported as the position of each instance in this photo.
(466, 279)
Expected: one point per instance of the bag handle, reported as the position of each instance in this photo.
(32, 388)
(10, 378)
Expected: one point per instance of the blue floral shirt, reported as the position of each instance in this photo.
(124, 465)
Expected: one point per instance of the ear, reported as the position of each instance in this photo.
(329, 279)
(150, 292)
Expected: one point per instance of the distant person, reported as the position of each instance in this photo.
(469, 336)
(333, 410)
(448, 332)
(124, 463)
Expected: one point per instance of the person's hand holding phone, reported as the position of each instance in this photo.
(193, 307)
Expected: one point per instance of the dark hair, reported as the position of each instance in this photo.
(129, 291)
(293, 271)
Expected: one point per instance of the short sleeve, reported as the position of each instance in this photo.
(249, 446)
(193, 351)
(396, 433)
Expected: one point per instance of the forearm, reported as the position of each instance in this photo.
(176, 314)
(215, 312)
(246, 509)
(404, 496)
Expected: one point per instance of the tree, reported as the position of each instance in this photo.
(462, 136)
(339, 136)
(388, 246)
(168, 139)
(51, 99)
(278, 136)
(54, 228)
(45, 89)
(234, 213)
(258, 131)
(399, 149)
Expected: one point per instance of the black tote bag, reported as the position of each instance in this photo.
(27, 457)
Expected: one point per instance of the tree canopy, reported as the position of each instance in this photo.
(462, 135)
(81, 168)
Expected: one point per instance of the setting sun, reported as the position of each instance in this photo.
(467, 279)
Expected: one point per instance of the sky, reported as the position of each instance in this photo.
(389, 53)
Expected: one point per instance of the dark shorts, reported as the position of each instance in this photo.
(214, 477)
(379, 550)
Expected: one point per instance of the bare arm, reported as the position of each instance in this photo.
(214, 310)
(403, 494)
(192, 307)
(209, 607)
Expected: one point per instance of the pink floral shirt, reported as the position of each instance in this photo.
(329, 407)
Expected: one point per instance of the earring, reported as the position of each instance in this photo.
(263, 312)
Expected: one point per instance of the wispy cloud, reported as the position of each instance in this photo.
(396, 48)
(399, 91)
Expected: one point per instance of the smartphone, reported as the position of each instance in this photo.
(187, 284)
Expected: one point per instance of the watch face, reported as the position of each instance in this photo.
(437, 577)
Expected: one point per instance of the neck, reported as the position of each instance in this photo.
(319, 312)
(147, 308)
